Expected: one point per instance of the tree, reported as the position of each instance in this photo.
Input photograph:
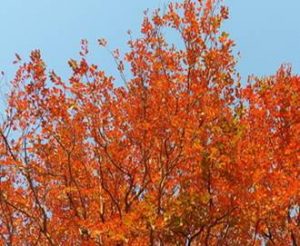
(181, 154)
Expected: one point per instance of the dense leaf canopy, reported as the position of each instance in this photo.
(181, 154)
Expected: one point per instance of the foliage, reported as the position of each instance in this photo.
(179, 155)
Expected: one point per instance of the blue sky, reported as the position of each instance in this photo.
(267, 32)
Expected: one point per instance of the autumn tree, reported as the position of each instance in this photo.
(180, 154)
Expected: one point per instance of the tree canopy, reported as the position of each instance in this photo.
(180, 154)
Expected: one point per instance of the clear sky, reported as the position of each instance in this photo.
(267, 32)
